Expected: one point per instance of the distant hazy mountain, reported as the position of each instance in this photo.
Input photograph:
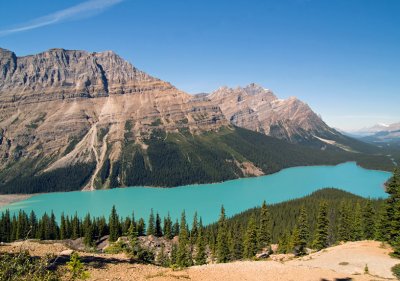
(376, 129)
(380, 133)
(73, 120)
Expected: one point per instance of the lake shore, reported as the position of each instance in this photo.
(7, 199)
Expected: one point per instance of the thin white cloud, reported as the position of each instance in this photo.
(83, 10)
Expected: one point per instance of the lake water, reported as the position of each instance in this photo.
(236, 195)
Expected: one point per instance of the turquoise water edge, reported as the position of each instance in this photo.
(236, 195)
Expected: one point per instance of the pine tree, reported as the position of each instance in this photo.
(150, 225)
(113, 223)
(393, 212)
(381, 233)
(126, 225)
(133, 240)
(175, 229)
(162, 258)
(357, 227)
(368, 221)
(222, 239)
(174, 254)
(158, 229)
(321, 231)
(63, 228)
(168, 227)
(237, 242)
(194, 231)
(250, 240)
(101, 227)
(88, 231)
(183, 258)
(53, 228)
(264, 238)
(283, 243)
(201, 257)
(33, 224)
(141, 226)
(75, 227)
(345, 224)
(300, 240)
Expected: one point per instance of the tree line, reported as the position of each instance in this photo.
(315, 222)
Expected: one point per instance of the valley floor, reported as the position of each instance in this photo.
(343, 262)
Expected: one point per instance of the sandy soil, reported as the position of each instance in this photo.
(11, 198)
(343, 262)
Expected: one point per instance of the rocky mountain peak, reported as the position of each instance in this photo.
(258, 109)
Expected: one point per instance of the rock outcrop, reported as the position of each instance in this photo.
(258, 109)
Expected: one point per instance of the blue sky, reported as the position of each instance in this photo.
(341, 57)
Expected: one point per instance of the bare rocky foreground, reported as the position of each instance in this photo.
(343, 262)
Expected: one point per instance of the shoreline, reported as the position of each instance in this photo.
(7, 199)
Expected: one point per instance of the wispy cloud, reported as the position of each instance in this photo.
(83, 10)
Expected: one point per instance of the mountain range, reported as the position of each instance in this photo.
(385, 133)
(72, 120)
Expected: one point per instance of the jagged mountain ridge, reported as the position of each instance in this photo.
(73, 119)
(76, 107)
(258, 109)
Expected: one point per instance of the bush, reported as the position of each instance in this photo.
(76, 268)
(116, 248)
(22, 267)
(396, 271)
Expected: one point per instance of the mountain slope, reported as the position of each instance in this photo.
(66, 108)
(258, 109)
(72, 120)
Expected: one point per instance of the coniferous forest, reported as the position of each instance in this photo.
(317, 221)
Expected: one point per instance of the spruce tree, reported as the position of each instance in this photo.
(168, 227)
(75, 227)
(113, 223)
(194, 231)
(201, 257)
(183, 257)
(392, 227)
(63, 228)
(345, 223)
(300, 240)
(133, 240)
(283, 243)
(141, 226)
(321, 231)
(222, 239)
(88, 231)
(237, 242)
(33, 224)
(151, 224)
(53, 227)
(264, 238)
(175, 228)
(250, 241)
(158, 230)
(357, 227)
(368, 221)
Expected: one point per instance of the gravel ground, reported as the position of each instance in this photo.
(343, 262)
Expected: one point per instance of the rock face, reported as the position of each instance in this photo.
(63, 107)
(258, 109)
(74, 119)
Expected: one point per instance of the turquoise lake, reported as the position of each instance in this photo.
(236, 195)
